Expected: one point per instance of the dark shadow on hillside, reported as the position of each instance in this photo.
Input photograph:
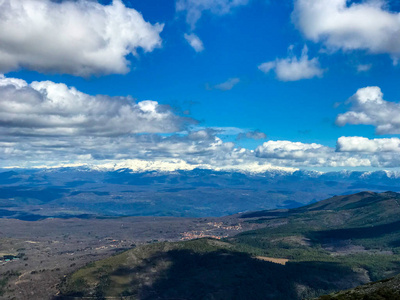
(356, 233)
(44, 195)
(227, 275)
(266, 213)
(395, 244)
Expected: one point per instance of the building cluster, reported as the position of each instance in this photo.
(218, 230)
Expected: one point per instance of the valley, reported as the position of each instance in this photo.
(73, 233)
(50, 249)
(300, 253)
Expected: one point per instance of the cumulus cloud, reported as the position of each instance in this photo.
(195, 8)
(197, 149)
(46, 123)
(368, 107)
(194, 41)
(297, 154)
(381, 153)
(200, 148)
(255, 135)
(73, 37)
(366, 25)
(224, 86)
(288, 149)
(293, 68)
(54, 109)
(362, 144)
(350, 152)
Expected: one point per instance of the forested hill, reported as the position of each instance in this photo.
(386, 289)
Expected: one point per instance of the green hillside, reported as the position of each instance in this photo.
(387, 289)
(332, 245)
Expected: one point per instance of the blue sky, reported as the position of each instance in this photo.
(265, 84)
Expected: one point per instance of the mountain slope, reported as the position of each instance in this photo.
(201, 269)
(387, 289)
(359, 227)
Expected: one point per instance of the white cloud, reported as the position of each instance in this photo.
(362, 144)
(200, 148)
(220, 130)
(369, 108)
(367, 25)
(224, 86)
(75, 37)
(381, 153)
(267, 66)
(297, 154)
(293, 68)
(363, 68)
(195, 8)
(47, 108)
(288, 149)
(255, 135)
(194, 41)
(44, 123)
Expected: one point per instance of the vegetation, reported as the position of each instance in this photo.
(387, 289)
(4, 280)
(200, 269)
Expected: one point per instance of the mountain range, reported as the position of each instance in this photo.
(86, 193)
